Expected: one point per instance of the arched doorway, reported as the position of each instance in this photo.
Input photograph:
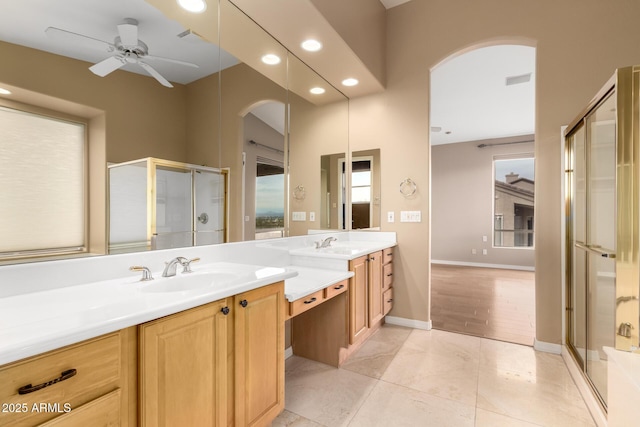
(482, 115)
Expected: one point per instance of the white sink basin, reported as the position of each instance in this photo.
(188, 282)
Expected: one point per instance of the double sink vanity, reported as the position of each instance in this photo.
(87, 342)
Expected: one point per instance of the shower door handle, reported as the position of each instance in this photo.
(596, 249)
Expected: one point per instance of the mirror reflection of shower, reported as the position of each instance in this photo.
(263, 187)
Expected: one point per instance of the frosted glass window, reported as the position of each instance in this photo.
(42, 184)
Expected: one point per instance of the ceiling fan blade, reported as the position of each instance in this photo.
(107, 66)
(78, 39)
(149, 69)
(174, 61)
(128, 32)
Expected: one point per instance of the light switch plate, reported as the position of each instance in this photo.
(298, 216)
(410, 216)
(391, 216)
(312, 216)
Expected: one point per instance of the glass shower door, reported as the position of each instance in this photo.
(593, 229)
(173, 227)
(209, 208)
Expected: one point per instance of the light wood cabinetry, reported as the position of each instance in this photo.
(374, 283)
(259, 355)
(358, 299)
(83, 384)
(387, 280)
(183, 368)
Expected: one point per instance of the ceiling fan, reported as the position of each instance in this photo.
(127, 48)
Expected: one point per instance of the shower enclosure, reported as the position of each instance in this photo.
(601, 188)
(161, 204)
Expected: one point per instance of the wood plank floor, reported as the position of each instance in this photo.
(485, 302)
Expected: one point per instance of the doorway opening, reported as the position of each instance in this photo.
(482, 116)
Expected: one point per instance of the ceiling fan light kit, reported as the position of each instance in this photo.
(127, 49)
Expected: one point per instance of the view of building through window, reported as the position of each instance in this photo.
(269, 201)
(513, 206)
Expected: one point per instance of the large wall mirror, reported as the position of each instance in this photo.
(239, 110)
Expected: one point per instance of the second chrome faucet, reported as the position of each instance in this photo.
(171, 266)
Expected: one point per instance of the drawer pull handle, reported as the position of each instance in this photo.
(390, 300)
(390, 274)
(31, 388)
(244, 303)
(309, 301)
(337, 288)
(225, 310)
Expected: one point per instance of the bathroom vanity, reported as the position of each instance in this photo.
(201, 348)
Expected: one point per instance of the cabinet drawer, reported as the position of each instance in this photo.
(97, 364)
(387, 300)
(304, 304)
(101, 412)
(336, 289)
(387, 276)
(387, 255)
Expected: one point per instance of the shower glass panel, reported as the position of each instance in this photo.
(209, 208)
(161, 204)
(173, 208)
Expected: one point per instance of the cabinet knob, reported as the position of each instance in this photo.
(244, 303)
(225, 310)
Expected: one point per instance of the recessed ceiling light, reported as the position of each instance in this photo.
(4, 91)
(317, 90)
(195, 6)
(311, 45)
(350, 82)
(271, 59)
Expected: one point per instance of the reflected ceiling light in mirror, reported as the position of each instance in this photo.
(194, 6)
(311, 45)
(317, 90)
(271, 59)
(4, 91)
(350, 82)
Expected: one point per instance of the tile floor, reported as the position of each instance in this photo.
(411, 377)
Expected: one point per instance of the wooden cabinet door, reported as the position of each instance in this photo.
(183, 368)
(376, 309)
(358, 315)
(259, 355)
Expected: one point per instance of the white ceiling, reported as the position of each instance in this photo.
(24, 22)
(392, 3)
(470, 99)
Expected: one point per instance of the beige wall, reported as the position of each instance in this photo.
(462, 203)
(363, 26)
(579, 44)
(314, 131)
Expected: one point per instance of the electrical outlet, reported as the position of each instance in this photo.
(474, 252)
(484, 252)
(484, 238)
(247, 219)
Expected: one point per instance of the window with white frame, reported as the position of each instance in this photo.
(42, 184)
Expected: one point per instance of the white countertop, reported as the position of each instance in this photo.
(629, 364)
(310, 280)
(34, 323)
(48, 305)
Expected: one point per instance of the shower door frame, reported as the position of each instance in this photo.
(624, 85)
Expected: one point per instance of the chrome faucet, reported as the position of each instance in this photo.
(170, 268)
(325, 243)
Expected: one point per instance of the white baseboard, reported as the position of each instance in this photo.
(483, 265)
(547, 347)
(410, 323)
(288, 352)
(590, 400)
